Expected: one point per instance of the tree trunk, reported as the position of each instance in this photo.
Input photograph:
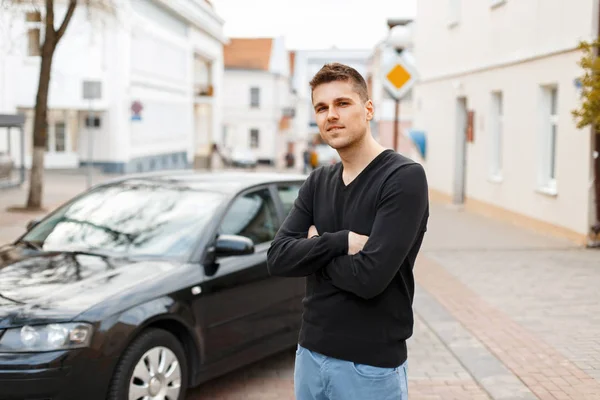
(40, 123)
(40, 127)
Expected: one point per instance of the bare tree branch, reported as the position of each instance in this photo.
(49, 22)
(63, 26)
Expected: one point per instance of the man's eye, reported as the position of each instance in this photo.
(320, 109)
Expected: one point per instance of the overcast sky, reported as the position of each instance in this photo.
(314, 24)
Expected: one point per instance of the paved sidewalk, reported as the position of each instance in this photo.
(519, 310)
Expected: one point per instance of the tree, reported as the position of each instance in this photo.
(52, 36)
(588, 115)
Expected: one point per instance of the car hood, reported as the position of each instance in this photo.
(39, 287)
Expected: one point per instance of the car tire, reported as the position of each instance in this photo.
(153, 365)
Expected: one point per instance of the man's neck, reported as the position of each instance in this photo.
(356, 158)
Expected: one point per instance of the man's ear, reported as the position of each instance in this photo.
(370, 107)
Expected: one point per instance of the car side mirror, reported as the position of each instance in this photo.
(233, 245)
(33, 223)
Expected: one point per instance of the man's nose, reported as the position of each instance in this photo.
(332, 114)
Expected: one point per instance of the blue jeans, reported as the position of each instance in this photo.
(318, 377)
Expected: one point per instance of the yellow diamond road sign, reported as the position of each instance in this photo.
(399, 74)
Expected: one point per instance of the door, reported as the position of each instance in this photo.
(239, 302)
(460, 163)
(60, 151)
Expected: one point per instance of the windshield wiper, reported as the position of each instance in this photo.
(9, 299)
(31, 245)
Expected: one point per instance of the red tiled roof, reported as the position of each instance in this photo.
(250, 53)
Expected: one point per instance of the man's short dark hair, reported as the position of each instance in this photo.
(339, 72)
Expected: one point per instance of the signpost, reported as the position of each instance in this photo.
(399, 77)
(92, 90)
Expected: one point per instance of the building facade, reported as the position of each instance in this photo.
(158, 66)
(496, 91)
(257, 94)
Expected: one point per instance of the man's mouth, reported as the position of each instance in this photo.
(334, 127)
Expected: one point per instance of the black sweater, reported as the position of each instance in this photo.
(357, 307)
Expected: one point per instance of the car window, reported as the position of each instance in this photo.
(252, 215)
(132, 217)
(288, 194)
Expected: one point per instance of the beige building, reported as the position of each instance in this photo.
(496, 91)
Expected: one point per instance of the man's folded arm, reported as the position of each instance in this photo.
(399, 222)
(292, 254)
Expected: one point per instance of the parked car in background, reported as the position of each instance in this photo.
(242, 157)
(146, 285)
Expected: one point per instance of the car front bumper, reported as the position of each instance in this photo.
(57, 375)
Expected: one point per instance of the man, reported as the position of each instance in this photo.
(354, 233)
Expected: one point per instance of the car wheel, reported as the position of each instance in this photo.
(153, 367)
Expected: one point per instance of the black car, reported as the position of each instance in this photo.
(146, 285)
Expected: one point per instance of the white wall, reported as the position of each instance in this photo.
(69, 68)
(485, 35)
(161, 79)
(212, 50)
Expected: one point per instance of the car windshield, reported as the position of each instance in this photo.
(131, 217)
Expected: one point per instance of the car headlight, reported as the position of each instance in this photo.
(46, 338)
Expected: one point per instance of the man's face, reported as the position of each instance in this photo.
(341, 115)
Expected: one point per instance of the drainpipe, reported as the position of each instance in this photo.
(595, 228)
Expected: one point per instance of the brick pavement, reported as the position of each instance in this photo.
(532, 301)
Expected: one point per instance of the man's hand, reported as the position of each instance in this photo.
(356, 242)
(312, 231)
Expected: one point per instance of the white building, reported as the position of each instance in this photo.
(159, 64)
(257, 94)
(509, 67)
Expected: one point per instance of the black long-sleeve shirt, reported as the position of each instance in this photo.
(357, 307)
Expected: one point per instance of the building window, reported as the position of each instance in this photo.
(33, 21)
(453, 12)
(496, 139)
(254, 97)
(254, 133)
(203, 83)
(59, 137)
(549, 139)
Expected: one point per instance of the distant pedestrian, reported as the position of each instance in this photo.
(354, 233)
(290, 160)
(306, 160)
(314, 158)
